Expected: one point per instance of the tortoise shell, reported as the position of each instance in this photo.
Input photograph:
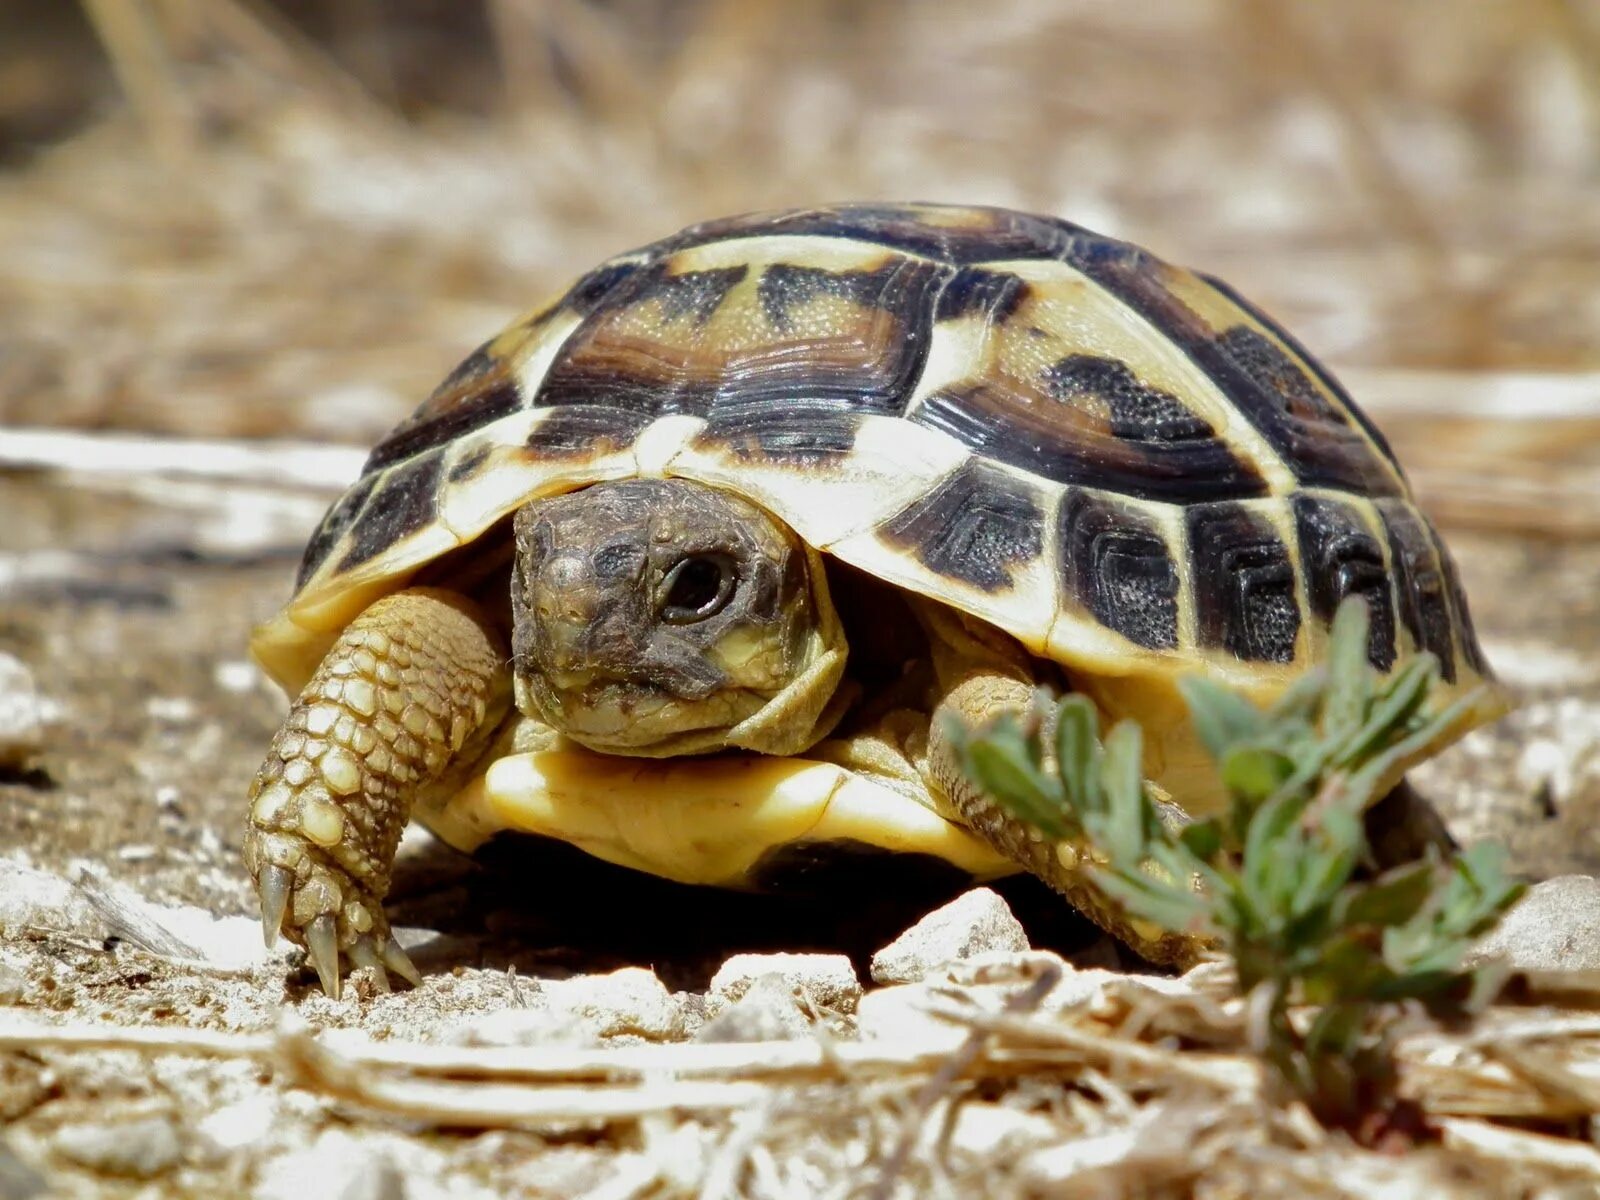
(1123, 464)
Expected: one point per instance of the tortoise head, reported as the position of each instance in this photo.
(658, 616)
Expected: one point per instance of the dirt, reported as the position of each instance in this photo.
(136, 644)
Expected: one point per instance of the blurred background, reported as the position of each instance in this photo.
(290, 217)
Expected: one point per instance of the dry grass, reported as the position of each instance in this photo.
(1113, 1087)
(283, 233)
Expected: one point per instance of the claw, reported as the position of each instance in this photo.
(322, 946)
(273, 888)
(395, 959)
(364, 954)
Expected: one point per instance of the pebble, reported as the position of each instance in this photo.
(900, 1014)
(240, 1124)
(139, 1149)
(34, 899)
(1554, 927)
(237, 675)
(631, 1001)
(535, 1025)
(13, 984)
(978, 922)
(827, 980)
(338, 1167)
(23, 713)
(770, 1009)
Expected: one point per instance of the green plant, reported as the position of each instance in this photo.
(1284, 891)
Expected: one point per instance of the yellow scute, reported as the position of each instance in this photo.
(704, 821)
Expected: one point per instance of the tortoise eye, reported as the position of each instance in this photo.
(697, 587)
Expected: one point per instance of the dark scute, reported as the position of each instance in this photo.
(1327, 377)
(1272, 392)
(402, 503)
(977, 525)
(1341, 558)
(1465, 633)
(1116, 564)
(1065, 445)
(578, 429)
(1244, 583)
(800, 432)
(470, 464)
(1421, 589)
(997, 294)
(580, 380)
(334, 523)
(479, 362)
(802, 404)
(593, 289)
(996, 234)
(1139, 412)
(471, 412)
(848, 866)
(691, 292)
(899, 286)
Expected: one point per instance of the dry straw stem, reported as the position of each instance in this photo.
(1513, 1064)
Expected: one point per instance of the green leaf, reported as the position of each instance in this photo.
(1349, 673)
(1255, 772)
(1203, 839)
(1394, 898)
(1077, 751)
(1172, 908)
(1342, 841)
(1123, 782)
(1406, 691)
(1000, 765)
(1297, 708)
(1221, 717)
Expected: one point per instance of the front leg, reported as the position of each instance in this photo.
(982, 675)
(975, 701)
(404, 700)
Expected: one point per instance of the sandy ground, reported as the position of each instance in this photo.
(134, 634)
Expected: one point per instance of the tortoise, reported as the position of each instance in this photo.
(689, 567)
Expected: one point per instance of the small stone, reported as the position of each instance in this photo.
(243, 1123)
(338, 1166)
(535, 1025)
(237, 675)
(631, 1001)
(13, 984)
(39, 900)
(23, 713)
(826, 980)
(900, 1014)
(769, 1009)
(978, 922)
(1554, 927)
(138, 1149)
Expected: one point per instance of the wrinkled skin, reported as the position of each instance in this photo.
(649, 616)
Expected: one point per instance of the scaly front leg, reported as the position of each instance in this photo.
(983, 674)
(405, 699)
